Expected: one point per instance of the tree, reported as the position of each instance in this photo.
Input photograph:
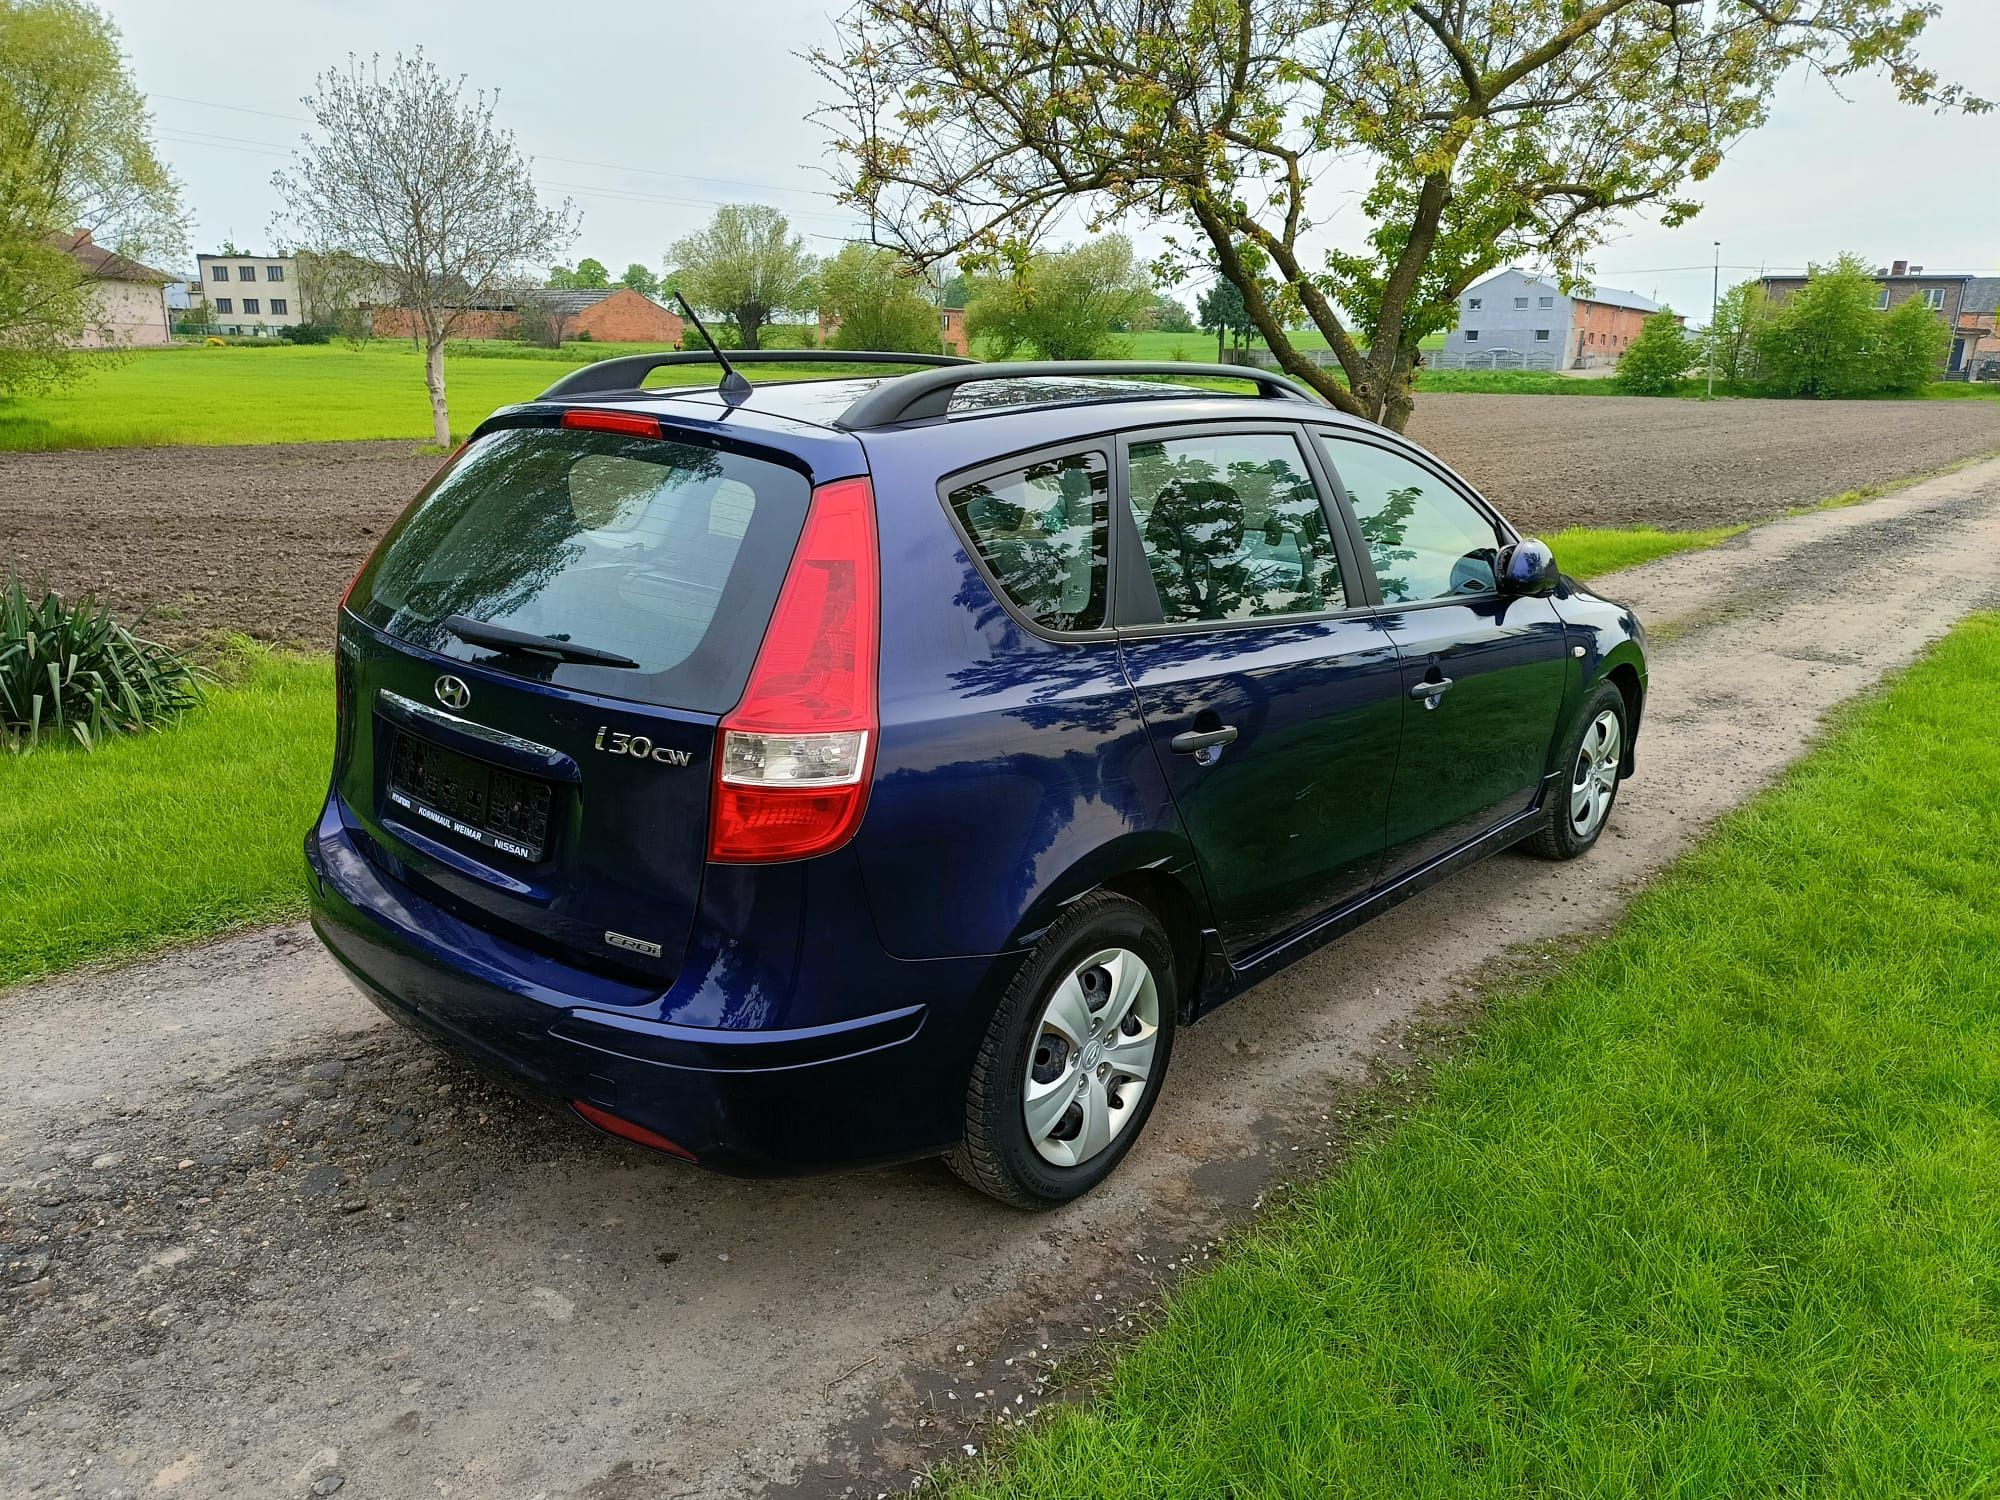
(1495, 131)
(338, 291)
(406, 172)
(1655, 361)
(1061, 304)
(747, 266)
(641, 280)
(1910, 346)
(539, 316)
(1731, 340)
(1821, 340)
(1222, 308)
(1167, 315)
(881, 301)
(588, 275)
(76, 157)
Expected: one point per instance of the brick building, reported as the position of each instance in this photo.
(1517, 320)
(610, 315)
(1962, 302)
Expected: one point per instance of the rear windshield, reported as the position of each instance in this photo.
(667, 553)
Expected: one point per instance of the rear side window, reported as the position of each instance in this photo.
(670, 554)
(1233, 528)
(1041, 531)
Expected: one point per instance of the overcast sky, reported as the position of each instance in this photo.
(647, 116)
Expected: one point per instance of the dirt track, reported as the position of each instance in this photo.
(262, 540)
(252, 1237)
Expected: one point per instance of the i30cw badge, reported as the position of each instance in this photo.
(452, 692)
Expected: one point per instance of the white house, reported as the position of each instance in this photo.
(1517, 320)
(251, 294)
(129, 301)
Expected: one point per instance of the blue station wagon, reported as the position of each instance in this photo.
(855, 770)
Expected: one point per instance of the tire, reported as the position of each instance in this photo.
(1564, 832)
(1070, 1066)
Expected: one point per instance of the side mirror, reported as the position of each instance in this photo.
(1527, 568)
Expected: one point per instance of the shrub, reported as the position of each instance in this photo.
(212, 342)
(1909, 347)
(1657, 359)
(70, 669)
(306, 333)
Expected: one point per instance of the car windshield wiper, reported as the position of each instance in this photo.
(480, 633)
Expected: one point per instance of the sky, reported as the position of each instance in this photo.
(648, 116)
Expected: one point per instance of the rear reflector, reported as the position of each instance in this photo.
(631, 423)
(610, 1124)
(793, 758)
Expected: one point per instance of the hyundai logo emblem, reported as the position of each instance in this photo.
(452, 692)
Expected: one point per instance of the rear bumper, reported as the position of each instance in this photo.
(887, 1085)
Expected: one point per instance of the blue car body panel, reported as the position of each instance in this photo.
(826, 1010)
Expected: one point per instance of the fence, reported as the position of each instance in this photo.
(1445, 359)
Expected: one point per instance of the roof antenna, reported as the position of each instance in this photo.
(733, 384)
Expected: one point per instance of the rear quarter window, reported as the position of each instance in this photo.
(1042, 532)
(668, 553)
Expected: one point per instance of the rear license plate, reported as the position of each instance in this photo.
(492, 807)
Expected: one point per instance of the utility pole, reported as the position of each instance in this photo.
(1714, 302)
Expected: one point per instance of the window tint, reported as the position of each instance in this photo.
(664, 552)
(1233, 528)
(1042, 529)
(1427, 540)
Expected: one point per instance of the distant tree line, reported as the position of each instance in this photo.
(1829, 340)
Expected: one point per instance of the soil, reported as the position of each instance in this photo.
(262, 540)
(257, 1241)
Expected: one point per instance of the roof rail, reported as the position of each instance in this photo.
(927, 393)
(628, 372)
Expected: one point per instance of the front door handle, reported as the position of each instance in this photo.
(1194, 741)
(1431, 690)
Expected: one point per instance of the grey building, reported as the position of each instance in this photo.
(1517, 320)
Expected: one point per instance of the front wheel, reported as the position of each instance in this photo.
(1073, 1058)
(1580, 806)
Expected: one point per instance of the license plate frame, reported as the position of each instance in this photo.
(487, 804)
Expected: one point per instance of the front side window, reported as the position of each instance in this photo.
(224, 304)
(1521, 302)
(1541, 335)
(1472, 335)
(1427, 540)
(246, 273)
(250, 306)
(278, 306)
(1882, 300)
(1545, 302)
(274, 273)
(1233, 528)
(1473, 304)
(1042, 530)
(219, 273)
(1934, 298)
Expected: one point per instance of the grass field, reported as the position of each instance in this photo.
(1712, 1212)
(1586, 551)
(169, 836)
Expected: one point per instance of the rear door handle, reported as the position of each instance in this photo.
(1194, 741)
(1429, 689)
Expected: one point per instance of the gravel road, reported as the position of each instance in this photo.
(262, 540)
(254, 1240)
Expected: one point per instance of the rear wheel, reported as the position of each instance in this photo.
(1073, 1058)
(1580, 805)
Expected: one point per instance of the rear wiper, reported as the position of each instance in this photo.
(480, 633)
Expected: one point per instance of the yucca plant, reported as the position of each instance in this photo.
(70, 669)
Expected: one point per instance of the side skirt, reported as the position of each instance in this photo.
(1223, 981)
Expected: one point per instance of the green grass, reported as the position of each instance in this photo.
(168, 836)
(1586, 551)
(285, 394)
(1712, 1212)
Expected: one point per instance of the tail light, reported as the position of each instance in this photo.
(611, 1124)
(793, 759)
